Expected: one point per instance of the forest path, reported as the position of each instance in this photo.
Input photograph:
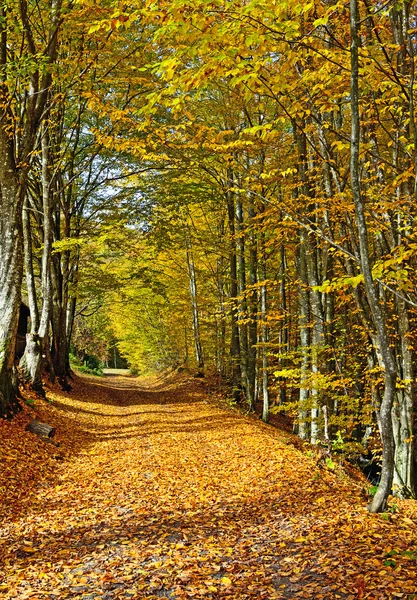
(158, 492)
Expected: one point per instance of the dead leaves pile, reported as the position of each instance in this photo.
(157, 492)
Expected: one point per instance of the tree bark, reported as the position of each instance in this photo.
(388, 366)
(40, 429)
(403, 411)
(304, 320)
(253, 306)
(264, 330)
(194, 305)
(242, 305)
(234, 341)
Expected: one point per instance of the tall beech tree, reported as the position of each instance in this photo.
(383, 345)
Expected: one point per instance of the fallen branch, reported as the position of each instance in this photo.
(40, 429)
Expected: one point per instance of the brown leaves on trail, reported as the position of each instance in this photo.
(161, 493)
(25, 460)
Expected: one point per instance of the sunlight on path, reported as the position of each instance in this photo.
(162, 494)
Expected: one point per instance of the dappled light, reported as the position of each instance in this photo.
(159, 492)
(208, 299)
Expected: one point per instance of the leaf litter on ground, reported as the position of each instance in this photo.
(157, 490)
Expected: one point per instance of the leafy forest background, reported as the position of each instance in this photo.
(226, 185)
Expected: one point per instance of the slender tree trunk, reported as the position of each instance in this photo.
(403, 411)
(242, 305)
(58, 322)
(304, 321)
(384, 350)
(284, 338)
(31, 362)
(264, 326)
(234, 342)
(253, 305)
(264, 331)
(194, 305)
(317, 339)
(221, 319)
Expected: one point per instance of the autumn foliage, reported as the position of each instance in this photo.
(158, 490)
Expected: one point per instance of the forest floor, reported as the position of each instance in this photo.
(158, 491)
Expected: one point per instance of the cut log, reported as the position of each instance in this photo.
(41, 429)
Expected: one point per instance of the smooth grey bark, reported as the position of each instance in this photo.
(304, 320)
(194, 304)
(384, 350)
(284, 336)
(233, 295)
(11, 237)
(242, 304)
(11, 273)
(403, 410)
(317, 340)
(264, 330)
(30, 276)
(221, 319)
(252, 305)
(31, 362)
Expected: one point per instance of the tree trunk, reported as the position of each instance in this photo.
(403, 412)
(284, 337)
(264, 332)
(58, 321)
(31, 362)
(384, 349)
(11, 273)
(243, 305)
(253, 305)
(221, 319)
(234, 341)
(11, 267)
(304, 320)
(194, 305)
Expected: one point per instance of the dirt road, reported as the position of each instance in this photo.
(158, 492)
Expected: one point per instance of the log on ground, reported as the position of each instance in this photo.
(40, 429)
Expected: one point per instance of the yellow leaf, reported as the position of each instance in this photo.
(226, 581)
(300, 539)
